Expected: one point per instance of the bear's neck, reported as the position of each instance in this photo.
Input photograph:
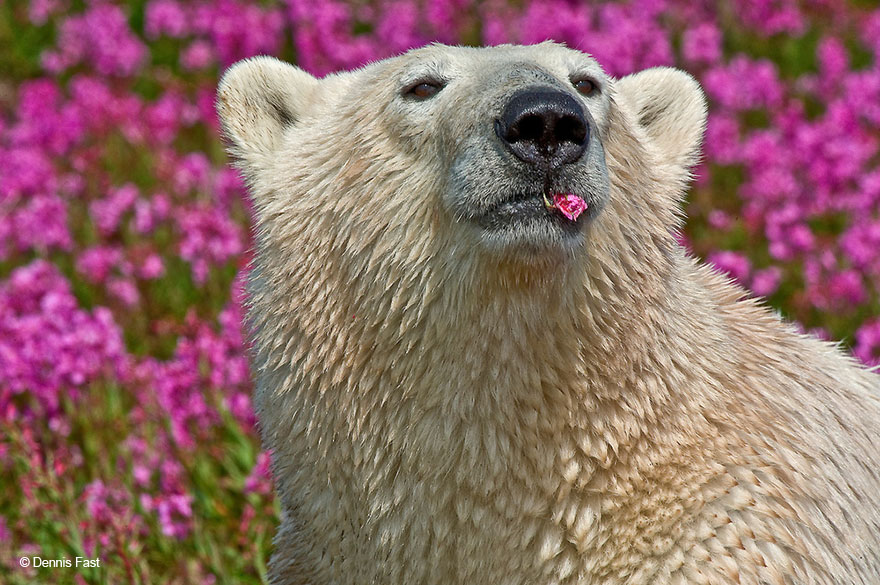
(580, 352)
(468, 358)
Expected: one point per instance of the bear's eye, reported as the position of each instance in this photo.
(584, 85)
(423, 89)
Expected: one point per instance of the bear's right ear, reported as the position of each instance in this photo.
(257, 99)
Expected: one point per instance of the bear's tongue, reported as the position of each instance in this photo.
(569, 204)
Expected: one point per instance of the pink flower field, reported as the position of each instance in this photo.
(126, 428)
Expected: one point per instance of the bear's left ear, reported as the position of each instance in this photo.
(257, 100)
(669, 104)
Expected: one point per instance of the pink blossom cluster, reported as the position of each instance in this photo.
(124, 233)
(49, 345)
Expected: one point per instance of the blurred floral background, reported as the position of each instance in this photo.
(126, 429)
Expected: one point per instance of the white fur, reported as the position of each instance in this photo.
(438, 413)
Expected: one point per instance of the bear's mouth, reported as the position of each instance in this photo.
(571, 206)
(566, 211)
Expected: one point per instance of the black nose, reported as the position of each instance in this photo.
(544, 127)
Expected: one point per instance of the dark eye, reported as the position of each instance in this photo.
(424, 89)
(585, 86)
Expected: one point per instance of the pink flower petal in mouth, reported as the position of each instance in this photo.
(569, 204)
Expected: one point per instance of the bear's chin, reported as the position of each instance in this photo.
(539, 238)
(523, 226)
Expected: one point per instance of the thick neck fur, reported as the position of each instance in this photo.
(430, 383)
(444, 342)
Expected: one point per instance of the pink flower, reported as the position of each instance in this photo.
(41, 224)
(108, 212)
(702, 44)
(101, 38)
(96, 263)
(165, 17)
(48, 345)
(719, 219)
(771, 17)
(198, 55)
(174, 512)
(39, 11)
(765, 282)
(733, 263)
(723, 140)
(208, 237)
(260, 479)
(868, 342)
(570, 205)
(152, 267)
(125, 290)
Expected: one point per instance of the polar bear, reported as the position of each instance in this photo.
(482, 357)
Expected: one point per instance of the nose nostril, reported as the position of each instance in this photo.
(570, 129)
(529, 127)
